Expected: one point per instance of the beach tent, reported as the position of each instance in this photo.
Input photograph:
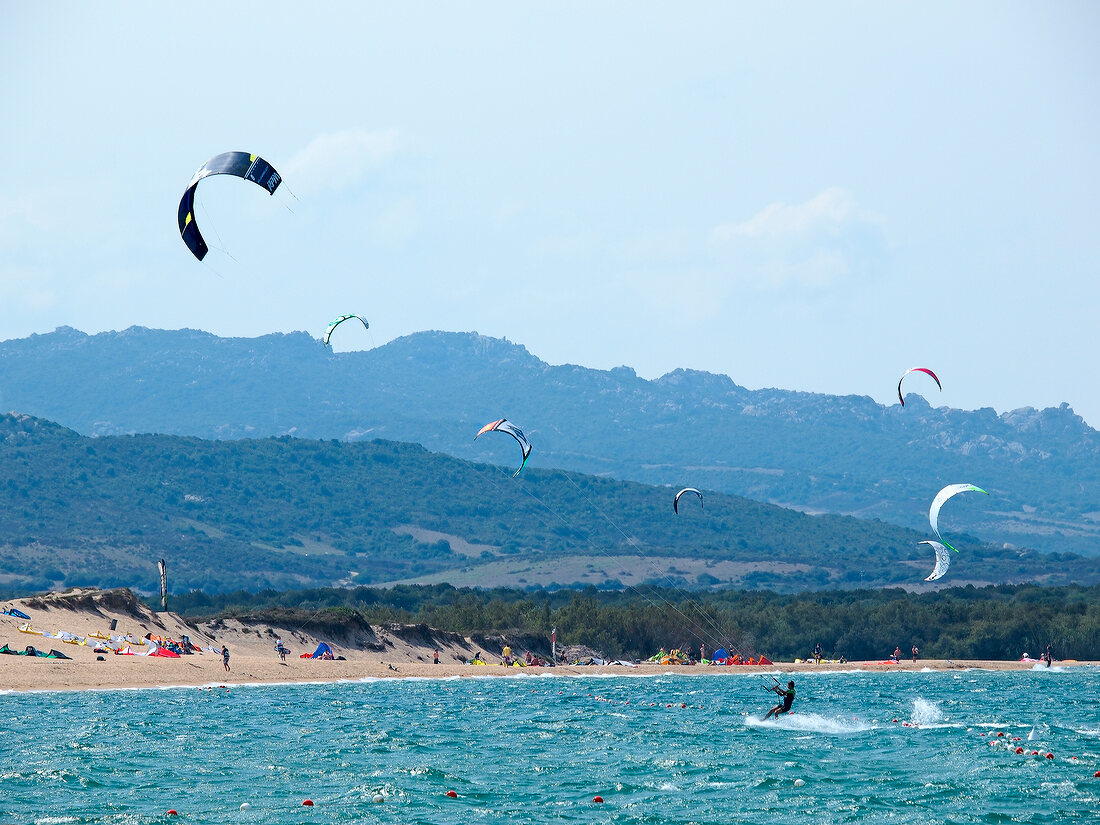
(720, 656)
(323, 651)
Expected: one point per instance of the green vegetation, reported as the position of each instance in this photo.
(961, 623)
(284, 513)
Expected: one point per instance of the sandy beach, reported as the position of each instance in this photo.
(391, 651)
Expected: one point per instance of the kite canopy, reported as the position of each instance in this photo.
(943, 560)
(916, 369)
(676, 501)
(938, 502)
(337, 322)
(504, 426)
(237, 164)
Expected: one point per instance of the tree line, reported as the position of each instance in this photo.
(999, 623)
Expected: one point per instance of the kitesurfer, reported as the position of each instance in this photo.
(281, 649)
(788, 700)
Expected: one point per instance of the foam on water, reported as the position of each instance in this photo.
(926, 713)
(810, 723)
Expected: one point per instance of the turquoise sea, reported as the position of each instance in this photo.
(657, 749)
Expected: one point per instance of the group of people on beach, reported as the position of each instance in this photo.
(1046, 656)
(895, 657)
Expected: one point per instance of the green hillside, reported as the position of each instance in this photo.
(845, 455)
(285, 512)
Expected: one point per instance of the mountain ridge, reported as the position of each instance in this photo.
(818, 453)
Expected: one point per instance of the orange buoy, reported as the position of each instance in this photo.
(999, 734)
(1019, 750)
(597, 799)
(1050, 756)
(1096, 775)
(308, 803)
(172, 812)
(683, 706)
(452, 794)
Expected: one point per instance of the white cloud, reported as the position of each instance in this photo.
(340, 160)
(816, 245)
(777, 220)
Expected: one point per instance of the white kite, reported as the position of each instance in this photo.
(938, 502)
(943, 560)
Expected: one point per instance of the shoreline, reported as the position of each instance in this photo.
(34, 675)
(377, 652)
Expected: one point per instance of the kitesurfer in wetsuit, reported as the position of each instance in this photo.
(785, 705)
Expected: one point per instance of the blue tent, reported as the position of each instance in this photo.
(322, 650)
(720, 656)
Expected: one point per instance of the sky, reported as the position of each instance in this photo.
(807, 196)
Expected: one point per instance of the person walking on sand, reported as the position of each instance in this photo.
(435, 656)
(225, 657)
(281, 650)
(915, 652)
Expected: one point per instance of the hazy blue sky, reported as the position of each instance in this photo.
(810, 196)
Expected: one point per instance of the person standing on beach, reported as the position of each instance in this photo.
(225, 657)
(435, 656)
(897, 654)
(915, 652)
